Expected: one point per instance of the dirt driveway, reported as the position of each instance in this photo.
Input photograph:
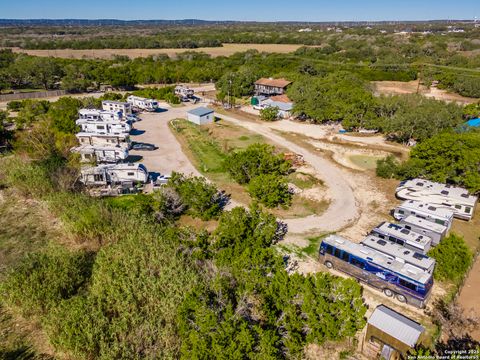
(343, 209)
(153, 129)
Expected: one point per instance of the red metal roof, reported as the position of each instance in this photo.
(281, 83)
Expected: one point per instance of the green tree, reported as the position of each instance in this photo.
(270, 190)
(420, 118)
(447, 157)
(453, 258)
(338, 96)
(63, 114)
(269, 113)
(202, 198)
(387, 168)
(257, 159)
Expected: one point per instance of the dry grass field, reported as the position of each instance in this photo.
(226, 50)
(412, 87)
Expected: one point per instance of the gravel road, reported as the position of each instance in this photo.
(343, 208)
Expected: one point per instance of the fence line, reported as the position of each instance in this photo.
(32, 95)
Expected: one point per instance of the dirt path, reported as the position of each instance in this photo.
(343, 209)
(468, 297)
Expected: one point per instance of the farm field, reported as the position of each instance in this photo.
(412, 87)
(225, 50)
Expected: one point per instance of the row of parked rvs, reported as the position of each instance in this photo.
(393, 256)
(104, 139)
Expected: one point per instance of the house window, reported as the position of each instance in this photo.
(98, 177)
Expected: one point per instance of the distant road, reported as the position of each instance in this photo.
(225, 50)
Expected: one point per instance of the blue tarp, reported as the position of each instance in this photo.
(473, 122)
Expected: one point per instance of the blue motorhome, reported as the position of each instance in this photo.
(395, 278)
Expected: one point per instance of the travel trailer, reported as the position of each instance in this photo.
(103, 175)
(408, 283)
(440, 195)
(184, 91)
(98, 115)
(110, 105)
(87, 138)
(400, 253)
(103, 127)
(421, 226)
(398, 234)
(425, 211)
(143, 103)
(101, 154)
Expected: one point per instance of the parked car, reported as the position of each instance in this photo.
(143, 146)
(162, 180)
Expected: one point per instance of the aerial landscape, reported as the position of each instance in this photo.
(225, 180)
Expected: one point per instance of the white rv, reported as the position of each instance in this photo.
(442, 196)
(184, 91)
(435, 231)
(101, 154)
(110, 105)
(407, 238)
(86, 138)
(400, 253)
(103, 127)
(425, 211)
(114, 174)
(97, 115)
(143, 103)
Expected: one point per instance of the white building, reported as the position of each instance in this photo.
(442, 196)
(110, 105)
(200, 116)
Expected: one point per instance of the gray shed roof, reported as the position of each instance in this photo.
(396, 325)
(200, 111)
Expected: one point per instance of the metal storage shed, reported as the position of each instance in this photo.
(200, 115)
(395, 332)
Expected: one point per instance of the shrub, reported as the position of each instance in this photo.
(387, 168)
(453, 258)
(43, 279)
(270, 190)
(257, 159)
(202, 198)
(269, 113)
(130, 310)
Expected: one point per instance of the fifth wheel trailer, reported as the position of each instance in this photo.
(103, 175)
(143, 103)
(101, 154)
(434, 231)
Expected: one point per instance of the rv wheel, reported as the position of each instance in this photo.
(328, 264)
(401, 298)
(388, 292)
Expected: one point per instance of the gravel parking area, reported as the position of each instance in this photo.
(153, 129)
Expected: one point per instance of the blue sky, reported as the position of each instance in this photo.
(299, 10)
